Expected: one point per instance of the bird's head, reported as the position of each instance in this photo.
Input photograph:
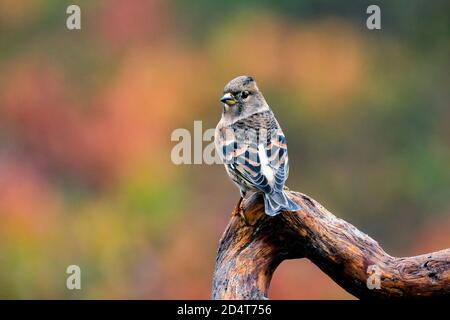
(241, 97)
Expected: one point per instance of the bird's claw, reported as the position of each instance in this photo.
(239, 210)
(242, 215)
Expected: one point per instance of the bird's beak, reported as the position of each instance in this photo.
(228, 99)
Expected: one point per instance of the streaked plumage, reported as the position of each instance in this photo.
(253, 146)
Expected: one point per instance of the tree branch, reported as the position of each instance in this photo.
(249, 254)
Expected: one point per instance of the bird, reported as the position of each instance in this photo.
(252, 146)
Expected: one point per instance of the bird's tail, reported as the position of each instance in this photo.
(275, 203)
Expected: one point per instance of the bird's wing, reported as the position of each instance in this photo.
(240, 155)
(278, 158)
(255, 153)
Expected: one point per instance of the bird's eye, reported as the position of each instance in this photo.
(245, 94)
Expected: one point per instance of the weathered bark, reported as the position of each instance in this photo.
(249, 254)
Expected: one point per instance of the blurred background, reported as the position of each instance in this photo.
(86, 118)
